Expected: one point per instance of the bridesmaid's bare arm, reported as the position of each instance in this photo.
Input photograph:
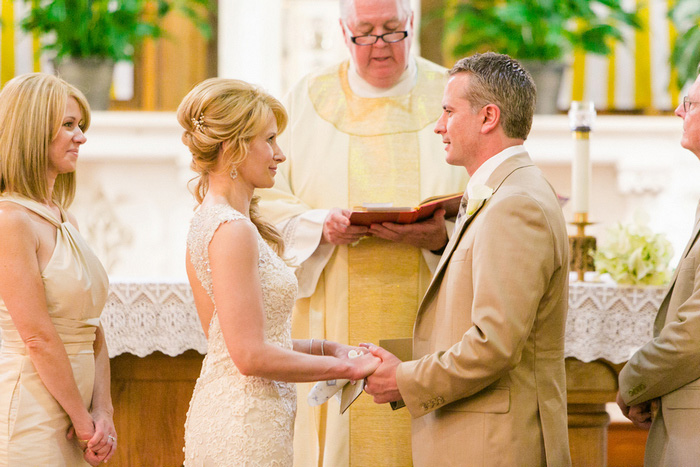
(102, 410)
(22, 290)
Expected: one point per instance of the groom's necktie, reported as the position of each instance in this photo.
(461, 212)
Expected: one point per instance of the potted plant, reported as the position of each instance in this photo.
(539, 33)
(685, 56)
(89, 36)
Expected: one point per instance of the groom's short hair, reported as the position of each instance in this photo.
(501, 80)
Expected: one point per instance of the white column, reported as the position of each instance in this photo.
(415, 47)
(250, 42)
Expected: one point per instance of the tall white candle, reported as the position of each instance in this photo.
(581, 172)
(581, 116)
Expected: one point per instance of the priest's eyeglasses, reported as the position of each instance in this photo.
(686, 103)
(371, 39)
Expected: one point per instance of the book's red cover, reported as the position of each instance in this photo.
(449, 203)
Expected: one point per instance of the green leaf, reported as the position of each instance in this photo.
(538, 29)
(686, 56)
(106, 28)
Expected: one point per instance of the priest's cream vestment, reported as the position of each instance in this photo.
(343, 150)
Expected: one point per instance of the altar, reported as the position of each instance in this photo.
(605, 325)
(157, 345)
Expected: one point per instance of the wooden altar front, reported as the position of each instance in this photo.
(156, 345)
(605, 325)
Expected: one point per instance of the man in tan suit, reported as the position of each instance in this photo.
(487, 383)
(660, 384)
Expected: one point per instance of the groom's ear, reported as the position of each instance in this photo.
(491, 118)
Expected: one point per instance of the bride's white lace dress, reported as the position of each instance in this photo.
(237, 420)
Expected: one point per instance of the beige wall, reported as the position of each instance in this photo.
(134, 206)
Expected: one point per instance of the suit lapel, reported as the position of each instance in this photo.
(449, 249)
(691, 242)
(496, 179)
(694, 236)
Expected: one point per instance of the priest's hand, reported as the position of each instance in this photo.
(337, 229)
(429, 234)
(381, 384)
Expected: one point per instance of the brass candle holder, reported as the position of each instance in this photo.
(581, 246)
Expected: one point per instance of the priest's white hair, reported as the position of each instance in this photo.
(347, 8)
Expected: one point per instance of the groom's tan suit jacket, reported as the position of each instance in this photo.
(668, 367)
(487, 383)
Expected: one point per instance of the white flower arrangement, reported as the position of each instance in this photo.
(632, 254)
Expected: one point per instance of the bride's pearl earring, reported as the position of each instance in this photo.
(233, 174)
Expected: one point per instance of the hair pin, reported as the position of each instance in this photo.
(199, 123)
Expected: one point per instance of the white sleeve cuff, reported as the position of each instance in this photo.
(302, 238)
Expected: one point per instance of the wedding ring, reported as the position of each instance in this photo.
(112, 438)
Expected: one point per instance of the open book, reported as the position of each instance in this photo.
(375, 214)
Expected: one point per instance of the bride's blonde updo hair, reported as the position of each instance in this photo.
(218, 111)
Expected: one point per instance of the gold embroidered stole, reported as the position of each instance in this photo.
(383, 277)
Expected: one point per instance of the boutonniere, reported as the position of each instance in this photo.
(480, 194)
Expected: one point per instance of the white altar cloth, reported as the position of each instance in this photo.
(604, 321)
(143, 317)
(609, 321)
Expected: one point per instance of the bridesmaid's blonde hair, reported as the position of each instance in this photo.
(32, 107)
(230, 111)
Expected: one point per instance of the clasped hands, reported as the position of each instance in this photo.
(429, 234)
(381, 384)
(641, 414)
(98, 442)
(377, 367)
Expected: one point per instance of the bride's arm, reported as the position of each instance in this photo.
(233, 256)
(325, 347)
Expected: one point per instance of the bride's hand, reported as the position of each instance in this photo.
(341, 351)
(363, 366)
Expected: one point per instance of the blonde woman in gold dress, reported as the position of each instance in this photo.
(55, 403)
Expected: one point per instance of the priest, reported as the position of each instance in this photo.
(361, 132)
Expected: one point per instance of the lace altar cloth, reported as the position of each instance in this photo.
(604, 321)
(610, 321)
(141, 318)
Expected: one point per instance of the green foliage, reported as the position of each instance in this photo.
(106, 28)
(536, 29)
(685, 56)
(633, 254)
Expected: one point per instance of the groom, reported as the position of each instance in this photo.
(487, 383)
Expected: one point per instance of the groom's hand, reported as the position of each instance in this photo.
(381, 385)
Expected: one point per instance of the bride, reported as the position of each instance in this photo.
(243, 407)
